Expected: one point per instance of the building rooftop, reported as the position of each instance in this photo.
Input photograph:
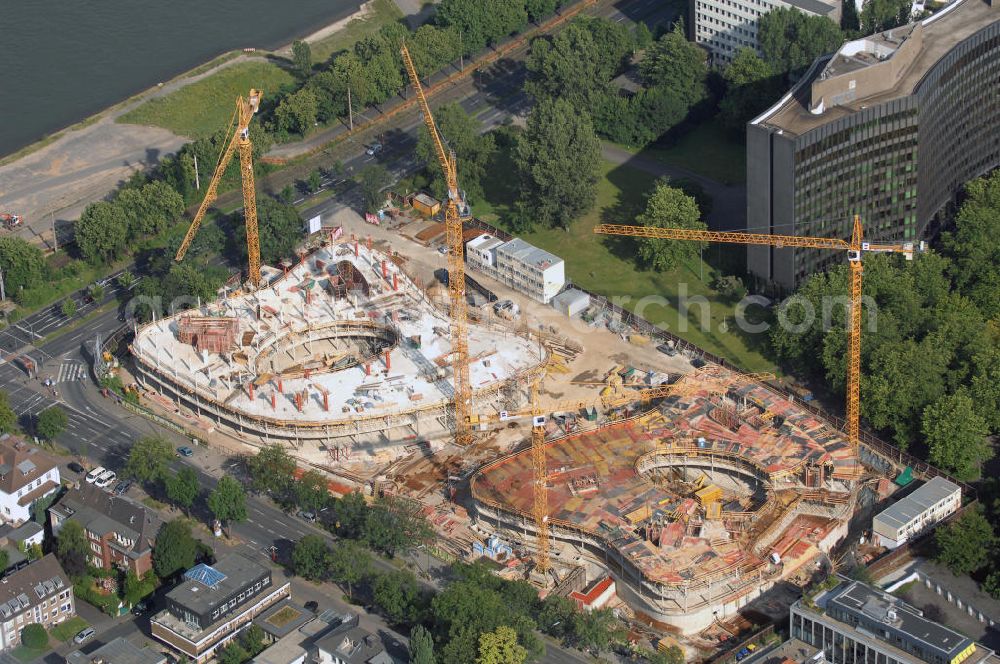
(31, 584)
(102, 513)
(21, 464)
(933, 38)
(528, 254)
(119, 651)
(204, 586)
(354, 645)
(814, 6)
(25, 531)
(912, 506)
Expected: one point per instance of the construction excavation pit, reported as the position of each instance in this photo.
(695, 507)
(343, 344)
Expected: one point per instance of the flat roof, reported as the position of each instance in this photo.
(909, 508)
(813, 6)
(941, 33)
(201, 592)
(119, 651)
(529, 254)
(861, 600)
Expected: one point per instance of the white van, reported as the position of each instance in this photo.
(95, 473)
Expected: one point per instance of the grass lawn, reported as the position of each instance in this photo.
(383, 11)
(26, 654)
(706, 149)
(606, 265)
(67, 629)
(205, 107)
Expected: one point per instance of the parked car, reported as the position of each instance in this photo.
(95, 473)
(311, 605)
(106, 479)
(667, 350)
(75, 467)
(698, 363)
(373, 149)
(84, 635)
(122, 487)
(139, 609)
(185, 451)
(308, 516)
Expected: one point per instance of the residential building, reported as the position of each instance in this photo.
(595, 596)
(26, 535)
(120, 531)
(724, 27)
(916, 513)
(37, 593)
(890, 127)
(213, 603)
(520, 265)
(118, 651)
(854, 623)
(27, 474)
(350, 644)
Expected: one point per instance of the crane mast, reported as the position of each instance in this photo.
(854, 248)
(240, 141)
(456, 265)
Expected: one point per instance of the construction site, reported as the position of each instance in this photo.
(567, 447)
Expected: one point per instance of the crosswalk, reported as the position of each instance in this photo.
(70, 371)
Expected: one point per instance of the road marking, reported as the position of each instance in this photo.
(32, 335)
(71, 370)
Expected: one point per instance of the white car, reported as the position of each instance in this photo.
(107, 478)
(95, 473)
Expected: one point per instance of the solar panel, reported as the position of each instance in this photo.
(205, 575)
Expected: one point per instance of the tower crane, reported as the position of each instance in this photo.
(246, 107)
(854, 247)
(456, 265)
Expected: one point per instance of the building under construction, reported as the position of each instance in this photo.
(342, 344)
(697, 507)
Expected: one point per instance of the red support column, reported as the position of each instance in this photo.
(395, 281)
(388, 364)
(385, 270)
(355, 248)
(250, 389)
(326, 401)
(281, 386)
(274, 401)
(368, 369)
(369, 243)
(298, 401)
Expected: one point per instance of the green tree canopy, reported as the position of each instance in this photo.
(302, 57)
(35, 637)
(882, 15)
(966, 544)
(311, 558)
(271, 469)
(175, 548)
(149, 459)
(151, 208)
(393, 525)
(421, 646)
(669, 207)
(72, 549)
(296, 113)
(312, 491)
(751, 87)
(973, 245)
(183, 488)
(23, 264)
(956, 436)
(374, 180)
(280, 227)
(349, 563)
(397, 596)
(791, 40)
(558, 158)
(482, 23)
(473, 149)
(8, 418)
(101, 232)
(596, 629)
(51, 422)
(676, 64)
(500, 647)
(228, 501)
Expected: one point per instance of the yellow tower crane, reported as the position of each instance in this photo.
(456, 266)
(245, 110)
(855, 247)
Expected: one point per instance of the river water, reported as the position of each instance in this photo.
(63, 60)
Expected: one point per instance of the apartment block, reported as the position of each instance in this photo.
(524, 267)
(916, 513)
(27, 474)
(39, 592)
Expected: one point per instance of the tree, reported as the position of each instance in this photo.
(314, 182)
(35, 637)
(991, 584)
(956, 436)
(421, 646)
(175, 548)
(150, 209)
(540, 9)
(966, 544)
(132, 588)
(557, 159)
(432, 47)
(8, 418)
(397, 594)
(676, 64)
(349, 563)
(312, 491)
(101, 232)
(253, 640)
(556, 616)
(672, 655)
(395, 524)
(473, 150)
(352, 511)
(234, 653)
(68, 307)
(973, 245)
(96, 291)
(296, 113)
(302, 57)
(228, 502)
(280, 228)
(482, 23)
(882, 15)
(23, 264)
(596, 629)
(500, 647)
(642, 36)
(271, 469)
(149, 458)
(669, 207)
(183, 488)
(4, 560)
(791, 40)
(51, 422)
(374, 179)
(751, 87)
(311, 558)
(72, 549)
